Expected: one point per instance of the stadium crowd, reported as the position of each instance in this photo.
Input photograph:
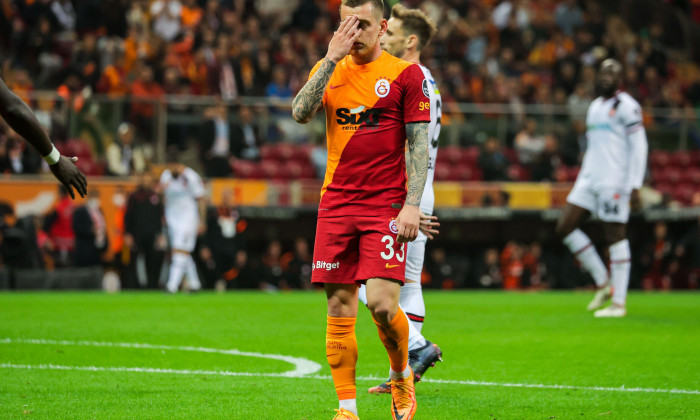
(512, 52)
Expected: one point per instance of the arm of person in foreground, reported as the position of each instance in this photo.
(408, 220)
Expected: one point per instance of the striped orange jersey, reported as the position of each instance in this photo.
(367, 107)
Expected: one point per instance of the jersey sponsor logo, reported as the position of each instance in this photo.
(323, 265)
(426, 90)
(357, 116)
(393, 227)
(382, 88)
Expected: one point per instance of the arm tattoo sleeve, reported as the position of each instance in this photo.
(310, 97)
(417, 165)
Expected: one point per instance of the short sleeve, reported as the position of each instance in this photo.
(196, 184)
(631, 117)
(416, 95)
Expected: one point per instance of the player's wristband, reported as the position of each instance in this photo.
(53, 157)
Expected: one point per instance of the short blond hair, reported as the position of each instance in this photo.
(415, 22)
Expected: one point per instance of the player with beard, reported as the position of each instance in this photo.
(608, 183)
(370, 203)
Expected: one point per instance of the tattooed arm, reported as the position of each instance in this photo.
(309, 100)
(408, 220)
(417, 165)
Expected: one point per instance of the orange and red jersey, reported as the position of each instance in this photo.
(367, 107)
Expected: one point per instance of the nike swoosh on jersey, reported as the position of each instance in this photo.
(391, 266)
(336, 86)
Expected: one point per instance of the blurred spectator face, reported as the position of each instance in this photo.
(536, 250)
(301, 247)
(530, 126)
(227, 198)
(93, 201)
(279, 76)
(126, 133)
(146, 180)
(147, 74)
(89, 43)
(660, 230)
(274, 249)
(551, 145)
(394, 40)
(171, 77)
(491, 145)
(370, 25)
(491, 257)
(246, 115)
(438, 255)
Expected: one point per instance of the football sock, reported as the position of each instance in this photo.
(341, 352)
(411, 302)
(192, 275)
(581, 246)
(620, 264)
(350, 405)
(362, 294)
(178, 266)
(415, 338)
(395, 339)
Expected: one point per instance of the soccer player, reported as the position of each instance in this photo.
(183, 194)
(408, 32)
(370, 203)
(611, 175)
(21, 119)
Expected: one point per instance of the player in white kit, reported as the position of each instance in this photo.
(408, 32)
(611, 174)
(183, 193)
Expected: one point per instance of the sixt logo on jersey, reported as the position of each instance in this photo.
(357, 116)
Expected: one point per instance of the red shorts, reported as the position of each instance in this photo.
(353, 249)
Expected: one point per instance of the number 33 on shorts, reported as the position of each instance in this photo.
(389, 252)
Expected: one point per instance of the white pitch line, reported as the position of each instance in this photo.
(302, 366)
(322, 377)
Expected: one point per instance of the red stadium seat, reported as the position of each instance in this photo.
(452, 153)
(680, 159)
(664, 188)
(691, 176)
(511, 155)
(267, 152)
(308, 172)
(518, 173)
(442, 172)
(243, 168)
(684, 193)
(670, 175)
(573, 173)
(470, 155)
(659, 158)
(302, 153)
(270, 169)
(695, 157)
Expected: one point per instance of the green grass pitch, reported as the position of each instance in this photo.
(489, 340)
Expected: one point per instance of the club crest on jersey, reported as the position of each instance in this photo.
(426, 89)
(393, 227)
(382, 88)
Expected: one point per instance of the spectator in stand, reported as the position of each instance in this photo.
(19, 159)
(143, 227)
(113, 79)
(687, 259)
(90, 232)
(123, 157)
(272, 268)
(246, 138)
(59, 225)
(568, 16)
(86, 60)
(296, 266)
(217, 143)
(544, 166)
(223, 239)
(492, 161)
(529, 145)
(165, 15)
(512, 266)
(145, 92)
(502, 13)
(656, 258)
(191, 14)
(488, 273)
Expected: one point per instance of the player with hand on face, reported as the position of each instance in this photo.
(611, 175)
(408, 32)
(21, 118)
(370, 201)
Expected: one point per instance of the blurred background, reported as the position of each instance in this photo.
(121, 84)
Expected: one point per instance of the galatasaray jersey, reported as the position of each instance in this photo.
(367, 107)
